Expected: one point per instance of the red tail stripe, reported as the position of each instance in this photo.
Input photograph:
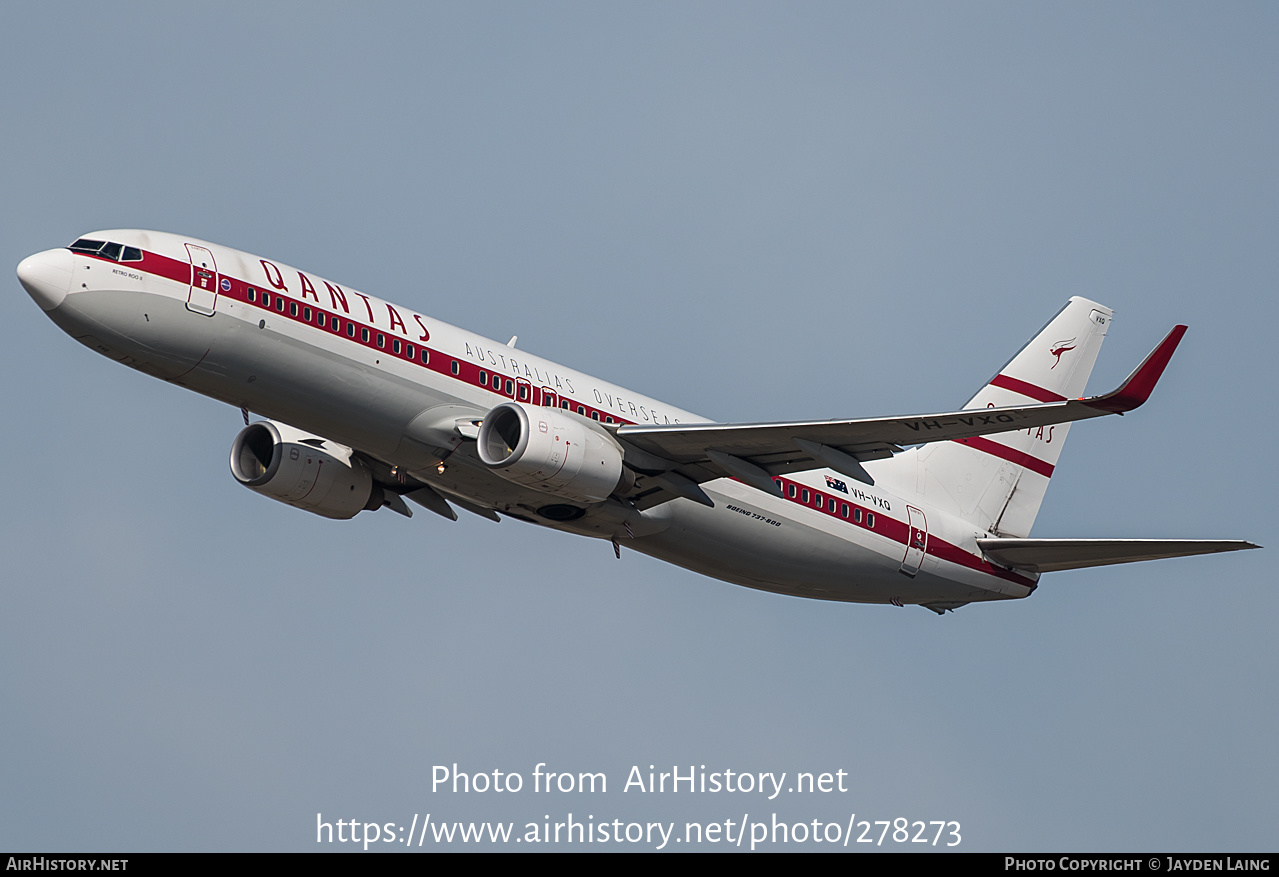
(1039, 394)
(1034, 464)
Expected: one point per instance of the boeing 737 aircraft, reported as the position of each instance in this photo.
(370, 403)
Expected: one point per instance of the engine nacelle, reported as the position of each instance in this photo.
(303, 471)
(552, 452)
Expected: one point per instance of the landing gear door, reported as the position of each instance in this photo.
(916, 542)
(203, 298)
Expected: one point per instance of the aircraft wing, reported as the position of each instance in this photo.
(1050, 555)
(755, 452)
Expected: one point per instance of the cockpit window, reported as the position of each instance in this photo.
(107, 250)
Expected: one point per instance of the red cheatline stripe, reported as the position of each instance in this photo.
(898, 531)
(153, 263)
(441, 362)
(1026, 389)
(1004, 452)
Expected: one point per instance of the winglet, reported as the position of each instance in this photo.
(1136, 390)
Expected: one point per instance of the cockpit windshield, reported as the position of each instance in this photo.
(106, 250)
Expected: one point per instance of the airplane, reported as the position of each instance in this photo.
(369, 403)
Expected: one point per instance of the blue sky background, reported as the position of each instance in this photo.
(752, 211)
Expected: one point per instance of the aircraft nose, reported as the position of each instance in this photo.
(47, 276)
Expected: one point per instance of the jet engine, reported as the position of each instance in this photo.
(303, 471)
(552, 452)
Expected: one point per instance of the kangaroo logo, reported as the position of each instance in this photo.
(1059, 348)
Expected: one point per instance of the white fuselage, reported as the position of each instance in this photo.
(391, 384)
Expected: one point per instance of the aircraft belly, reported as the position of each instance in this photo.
(364, 405)
(746, 542)
(269, 372)
(150, 332)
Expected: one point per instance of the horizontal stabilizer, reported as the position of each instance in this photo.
(1050, 555)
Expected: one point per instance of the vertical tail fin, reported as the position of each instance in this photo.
(998, 482)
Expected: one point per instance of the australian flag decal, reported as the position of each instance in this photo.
(836, 484)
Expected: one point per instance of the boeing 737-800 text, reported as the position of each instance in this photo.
(370, 403)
